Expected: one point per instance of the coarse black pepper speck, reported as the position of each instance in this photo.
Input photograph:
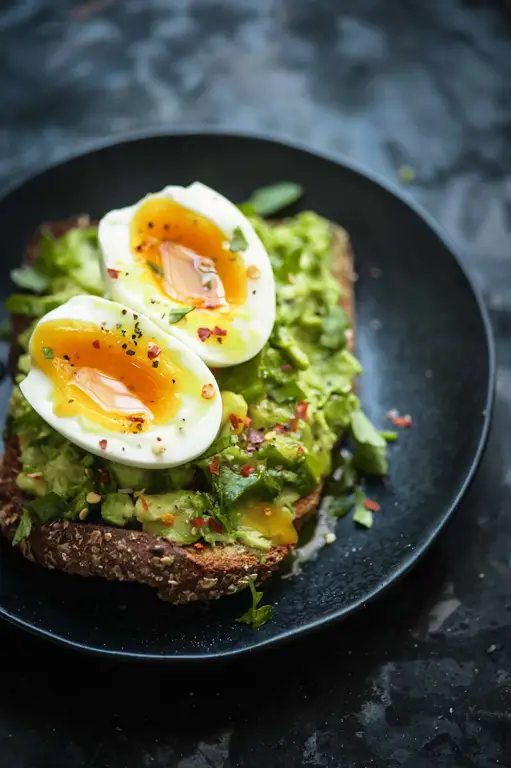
(124, 311)
(155, 363)
(124, 346)
(130, 352)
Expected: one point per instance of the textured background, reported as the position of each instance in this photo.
(423, 678)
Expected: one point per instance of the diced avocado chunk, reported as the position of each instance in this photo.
(64, 474)
(252, 538)
(117, 509)
(130, 477)
(170, 514)
(280, 450)
(152, 481)
(263, 525)
(266, 413)
(233, 405)
(35, 486)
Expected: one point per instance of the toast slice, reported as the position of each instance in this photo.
(181, 574)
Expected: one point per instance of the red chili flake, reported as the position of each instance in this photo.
(96, 344)
(301, 409)
(286, 367)
(104, 477)
(247, 470)
(293, 423)
(198, 545)
(203, 333)
(198, 522)
(235, 420)
(402, 421)
(214, 465)
(216, 525)
(219, 331)
(153, 350)
(371, 505)
(248, 422)
(255, 437)
(281, 429)
(103, 444)
(113, 273)
(299, 450)
(144, 503)
(136, 419)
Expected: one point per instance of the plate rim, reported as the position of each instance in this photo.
(387, 185)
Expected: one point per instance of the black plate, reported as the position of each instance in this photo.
(425, 343)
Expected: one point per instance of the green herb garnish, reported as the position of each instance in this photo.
(389, 436)
(23, 529)
(48, 507)
(155, 268)
(239, 241)
(370, 454)
(255, 616)
(29, 279)
(361, 514)
(269, 200)
(48, 353)
(175, 315)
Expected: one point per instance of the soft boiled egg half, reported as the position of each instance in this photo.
(191, 261)
(112, 382)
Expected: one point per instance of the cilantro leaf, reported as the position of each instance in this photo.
(48, 507)
(269, 200)
(255, 616)
(364, 432)
(389, 436)
(239, 241)
(361, 515)
(175, 315)
(47, 353)
(155, 268)
(370, 454)
(338, 506)
(30, 279)
(24, 528)
(231, 486)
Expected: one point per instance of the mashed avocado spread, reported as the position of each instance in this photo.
(283, 411)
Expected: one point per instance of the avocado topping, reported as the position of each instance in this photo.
(283, 411)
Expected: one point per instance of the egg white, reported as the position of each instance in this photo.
(193, 427)
(254, 319)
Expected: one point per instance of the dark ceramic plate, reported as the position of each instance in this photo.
(424, 341)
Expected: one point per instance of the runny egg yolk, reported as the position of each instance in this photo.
(120, 381)
(187, 256)
(273, 522)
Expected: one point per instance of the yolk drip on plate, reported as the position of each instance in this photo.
(273, 522)
(187, 256)
(117, 379)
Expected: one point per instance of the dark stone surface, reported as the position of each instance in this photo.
(423, 677)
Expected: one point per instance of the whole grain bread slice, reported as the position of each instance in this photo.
(181, 574)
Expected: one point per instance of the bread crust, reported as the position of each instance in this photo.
(180, 574)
